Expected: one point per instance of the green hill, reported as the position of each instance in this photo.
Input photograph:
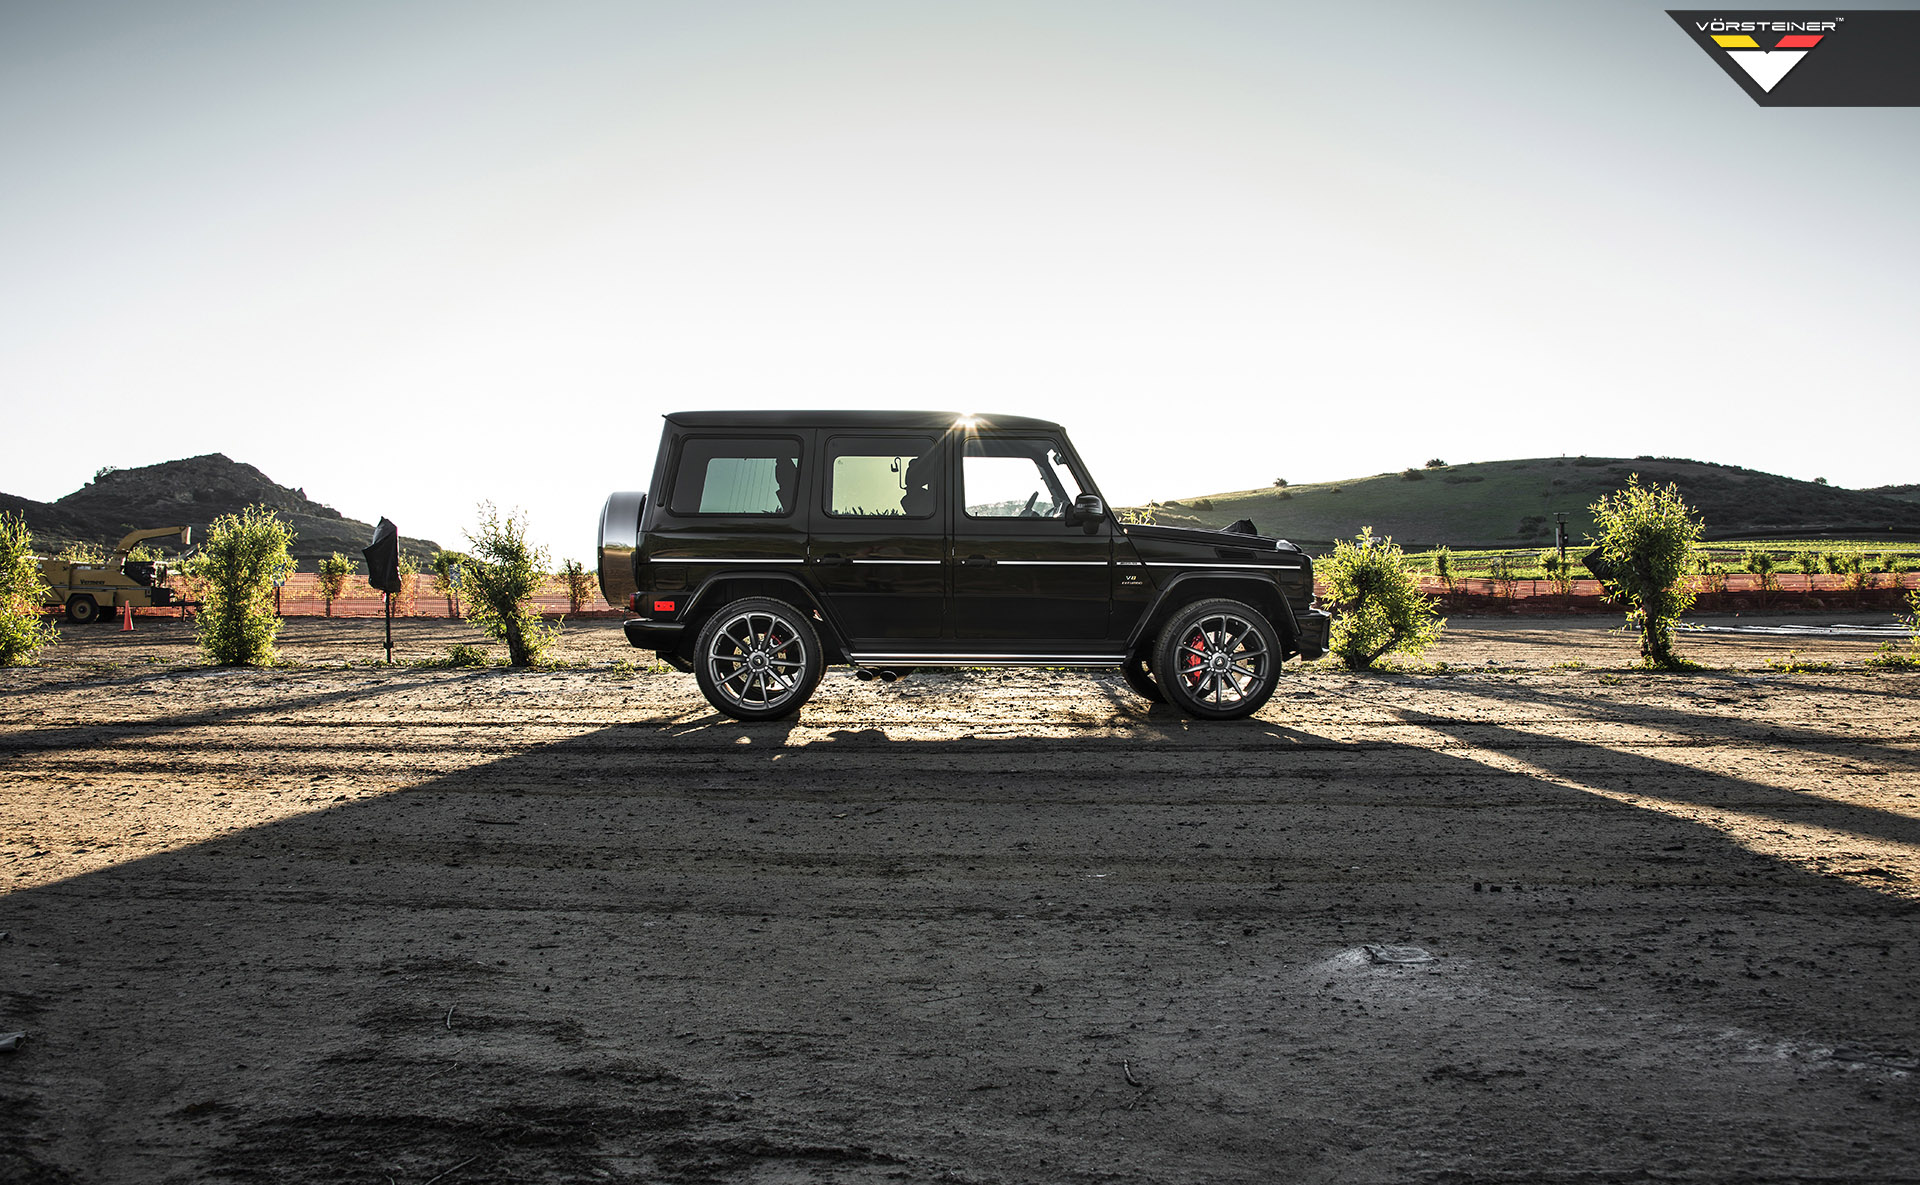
(1512, 503)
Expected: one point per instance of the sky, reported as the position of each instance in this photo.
(410, 256)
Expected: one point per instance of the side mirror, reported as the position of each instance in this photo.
(1087, 510)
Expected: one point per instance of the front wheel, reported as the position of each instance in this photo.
(82, 609)
(1217, 660)
(757, 659)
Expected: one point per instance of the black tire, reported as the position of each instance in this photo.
(757, 659)
(81, 609)
(1138, 672)
(1217, 660)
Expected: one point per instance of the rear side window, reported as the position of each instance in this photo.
(882, 476)
(737, 475)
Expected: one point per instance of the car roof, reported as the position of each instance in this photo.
(850, 419)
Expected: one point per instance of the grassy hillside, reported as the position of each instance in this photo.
(1512, 503)
(192, 492)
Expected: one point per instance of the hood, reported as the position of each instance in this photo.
(1201, 537)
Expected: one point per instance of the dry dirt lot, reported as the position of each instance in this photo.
(352, 923)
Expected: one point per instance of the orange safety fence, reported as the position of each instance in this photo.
(301, 595)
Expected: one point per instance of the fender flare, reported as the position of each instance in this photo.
(1290, 626)
(807, 598)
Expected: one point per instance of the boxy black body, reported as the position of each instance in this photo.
(773, 543)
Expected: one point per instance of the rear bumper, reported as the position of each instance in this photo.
(1316, 629)
(648, 634)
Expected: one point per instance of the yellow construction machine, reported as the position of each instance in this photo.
(89, 590)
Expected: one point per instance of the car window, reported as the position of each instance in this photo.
(882, 476)
(1016, 478)
(737, 475)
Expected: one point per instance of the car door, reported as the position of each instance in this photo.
(1021, 573)
(878, 537)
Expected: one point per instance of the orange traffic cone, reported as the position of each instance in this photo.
(126, 618)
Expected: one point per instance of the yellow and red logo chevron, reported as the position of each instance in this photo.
(1767, 66)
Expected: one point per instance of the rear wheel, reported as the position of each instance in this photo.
(1217, 660)
(81, 609)
(757, 659)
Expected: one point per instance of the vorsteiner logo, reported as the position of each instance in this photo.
(1865, 59)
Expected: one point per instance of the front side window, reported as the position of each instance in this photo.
(882, 476)
(1016, 478)
(737, 475)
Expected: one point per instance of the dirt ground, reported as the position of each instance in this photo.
(336, 922)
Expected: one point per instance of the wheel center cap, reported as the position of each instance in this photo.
(756, 661)
(1218, 661)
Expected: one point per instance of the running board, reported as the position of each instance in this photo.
(986, 660)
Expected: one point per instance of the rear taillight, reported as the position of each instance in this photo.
(663, 606)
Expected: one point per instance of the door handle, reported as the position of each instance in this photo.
(830, 559)
(977, 561)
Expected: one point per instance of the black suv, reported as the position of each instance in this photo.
(774, 543)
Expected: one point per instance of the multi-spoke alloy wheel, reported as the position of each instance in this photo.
(1217, 659)
(757, 659)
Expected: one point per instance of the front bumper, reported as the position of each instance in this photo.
(1316, 630)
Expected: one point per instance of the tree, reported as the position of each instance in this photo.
(334, 571)
(1645, 535)
(1377, 602)
(24, 630)
(1279, 483)
(1443, 568)
(501, 576)
(234, 572)
(443, 565)
(580, 584)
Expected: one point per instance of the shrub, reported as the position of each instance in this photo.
(1203, 504)
(334, 571)
(408, 598)
(1712, 576)
(1378, 606)
(1501, 569)
(501, 575)
(1436, 463)
(1833, 562)
(23, 594)
(1443, 568)
(1807, 561)
(1559, 570)
(234, 573)
(464, 655)
(580, 584)
(1645, 535)
(1759, 561)
(1279, 483)
(1412, 474)
(442, 565)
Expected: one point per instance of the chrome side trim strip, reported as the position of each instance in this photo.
(1221, 564)
(897, 561)
(707, 559)
(1051, 563)
(985, 660)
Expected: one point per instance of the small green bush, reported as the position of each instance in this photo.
(464, 655)
(1379, 609)
(1808, 562)
(1412, 474)
(581, 583)
(234, 572)
(501, 575)
(1645, 535)
(1436, 463)
(1559, 570)
(334, 571)
(1833, 562)
(1443, 568)
(24, 630)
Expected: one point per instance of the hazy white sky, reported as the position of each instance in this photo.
(410, 256)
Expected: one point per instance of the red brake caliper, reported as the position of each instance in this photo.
(1195, 661)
